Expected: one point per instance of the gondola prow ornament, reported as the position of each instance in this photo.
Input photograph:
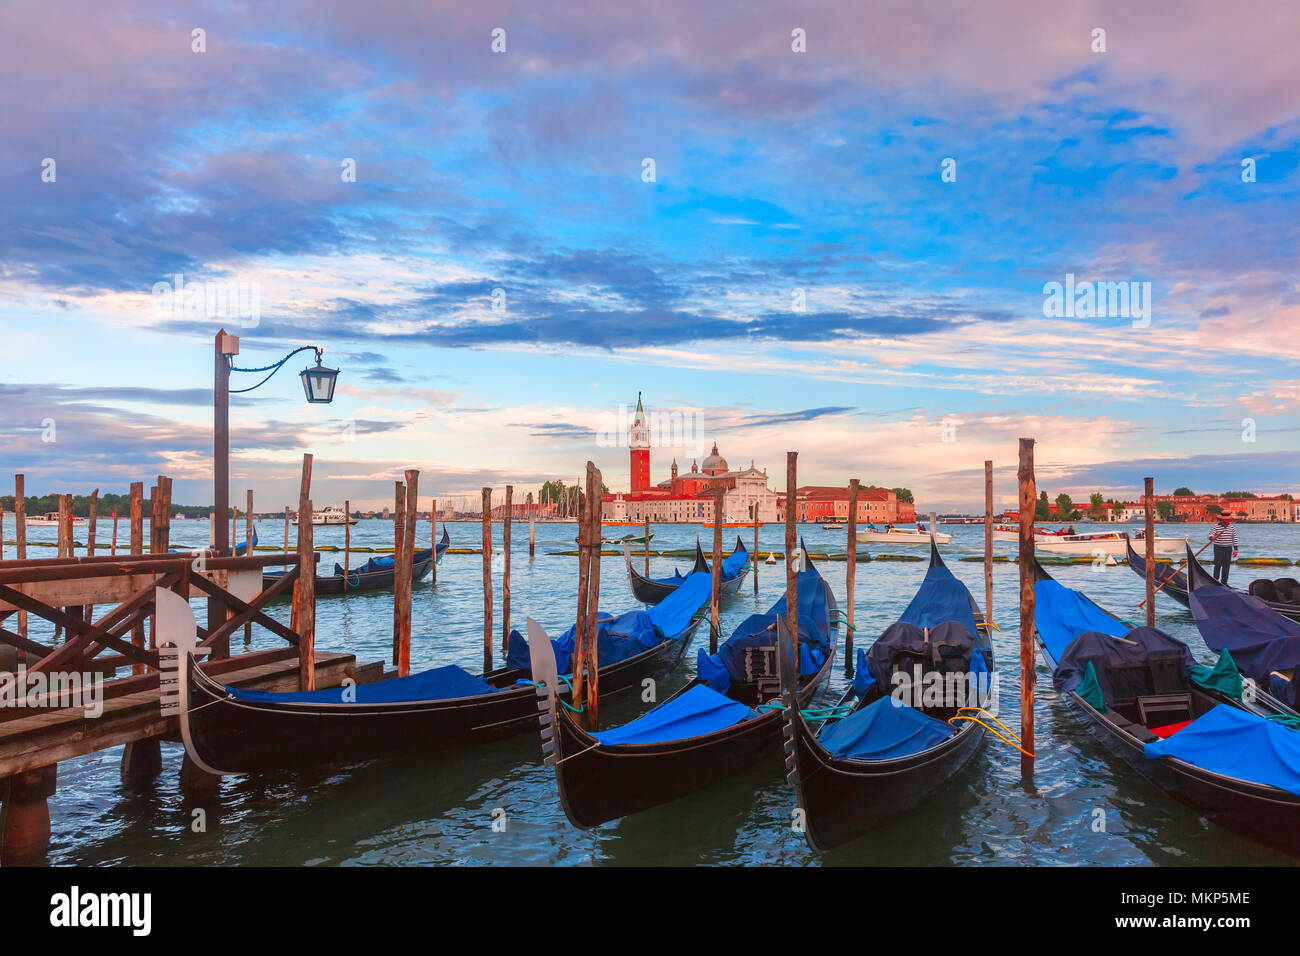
(177, 635)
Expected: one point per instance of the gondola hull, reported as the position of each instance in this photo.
(421, 565)
(843, 799)
(1175, 581)
(649, 591)
(244, 737)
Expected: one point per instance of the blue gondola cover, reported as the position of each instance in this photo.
(697, 711)
(1061, 615)
(440, 683)
(1261, 640)
(883, 730)
(1236, 743)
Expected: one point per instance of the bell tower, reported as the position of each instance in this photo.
(639, 441)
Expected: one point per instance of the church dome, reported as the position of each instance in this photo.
(715, 464)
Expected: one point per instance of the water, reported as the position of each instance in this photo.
(440, 808)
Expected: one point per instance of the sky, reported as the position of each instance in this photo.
(828, 228)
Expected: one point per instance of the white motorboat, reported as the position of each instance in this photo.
(1108, 543)
(833, 526)
(50, 520)
(895, 536)
(330, 516)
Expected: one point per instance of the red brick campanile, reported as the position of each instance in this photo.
(639, 440)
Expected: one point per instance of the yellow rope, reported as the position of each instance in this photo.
(980, 710)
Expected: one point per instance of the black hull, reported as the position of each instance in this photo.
(599, 784)
(649, 591)
(1176, 588)
(373, 580)
(244, 737)
(843, 799)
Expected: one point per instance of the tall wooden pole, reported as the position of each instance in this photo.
(988, 543)
(433, 538)
(222, 345)
(407, 572)
(580, 625)
(90, 530)
(20, 536)
(753, 561)
(851, 572)
(306, 594)
(715, 595)
(347, 542)
(137, 547)
(505, 573)
(532, 534)
(594, 536)
(286, 533)
(645, 544)
(791, 578)
(1150, 550)
(65, 526)
(487, 580)
(399, 536)
(1028, 676)
(248, 547)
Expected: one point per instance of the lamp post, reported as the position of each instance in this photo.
(318, 386)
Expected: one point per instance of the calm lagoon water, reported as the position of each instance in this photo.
(438, 809)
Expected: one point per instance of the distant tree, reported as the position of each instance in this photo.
(1237, 494)
(1064, 506)
(1043, 510)
(1165, 509)
(904, 495)
(1213, 510)
(1096, 501)
(1184, 490)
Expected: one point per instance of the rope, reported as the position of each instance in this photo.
(980, 710)
(1286, 720)
(812, 713)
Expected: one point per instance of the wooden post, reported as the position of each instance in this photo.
(755, 562)
(433, 538)
(248, 548)
(20, 536)
(90, 530)
(505, 574)
(407, 567)
(1028, 676)
(1151, 551)
(347, 542)
(137, 547)
(532, 531)
(306, 592)
(594, 536)
(715, 596)
(580, 625)
(645, 545)
(851, 572)
(2, 531)
(234, 528)
(988, 544)
(286, 533)
(791, 577)
(487, 580)
(399, 536)
(112, 550)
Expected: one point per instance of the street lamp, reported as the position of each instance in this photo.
(318, 385)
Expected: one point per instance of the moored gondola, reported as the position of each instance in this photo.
(1264, 644)
(718, 724)
(375, 574)
(910, 722)
(653, 590)
(1281, 595)
(232, 730)
(1177, 723)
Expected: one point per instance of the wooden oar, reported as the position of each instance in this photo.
(1176, 570)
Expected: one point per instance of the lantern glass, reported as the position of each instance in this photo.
(318, 384)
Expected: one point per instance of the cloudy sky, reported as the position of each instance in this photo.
(821, 228)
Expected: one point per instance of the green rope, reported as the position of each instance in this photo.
(569, 684)
(1286, 720)
(812, 713)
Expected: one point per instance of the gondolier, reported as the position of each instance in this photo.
(1224, 537)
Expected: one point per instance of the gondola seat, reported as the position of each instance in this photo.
(1264, 589)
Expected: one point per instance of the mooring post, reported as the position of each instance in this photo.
(1028, 676)
(505, 573)
(988, 545)
(399, 535)
(1150, 495)
(25, 815)
(715, 595)
(137, 548)
(306, 583)
(851, 573)
(286, 533)
(433, 538)
(580, 625)
(20, 536)
(347, 542)
(593, 594)
(645, 543)
(532, 526)
(791, 577)
(248, 548)
(90, 529)
(408, 563)
(754, 561)
(487, 579)
(112, 549)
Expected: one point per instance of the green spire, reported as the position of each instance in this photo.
(640, 412)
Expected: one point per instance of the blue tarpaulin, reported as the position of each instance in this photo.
(697, 711)
(440, 683)
(1237, 744)
(940, 598)
(1260, 639)
(759, 630)
(1061, 615)
(883, 730)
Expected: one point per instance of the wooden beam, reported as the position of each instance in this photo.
(1028, 675)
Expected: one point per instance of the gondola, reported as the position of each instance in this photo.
(1176, 722)
(878, 755)
(718, 724)
(1264, 644)
(1282, 594)
(233, 730)
(653, 590)
(374, 574)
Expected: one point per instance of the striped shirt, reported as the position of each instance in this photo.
(1225, 537)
